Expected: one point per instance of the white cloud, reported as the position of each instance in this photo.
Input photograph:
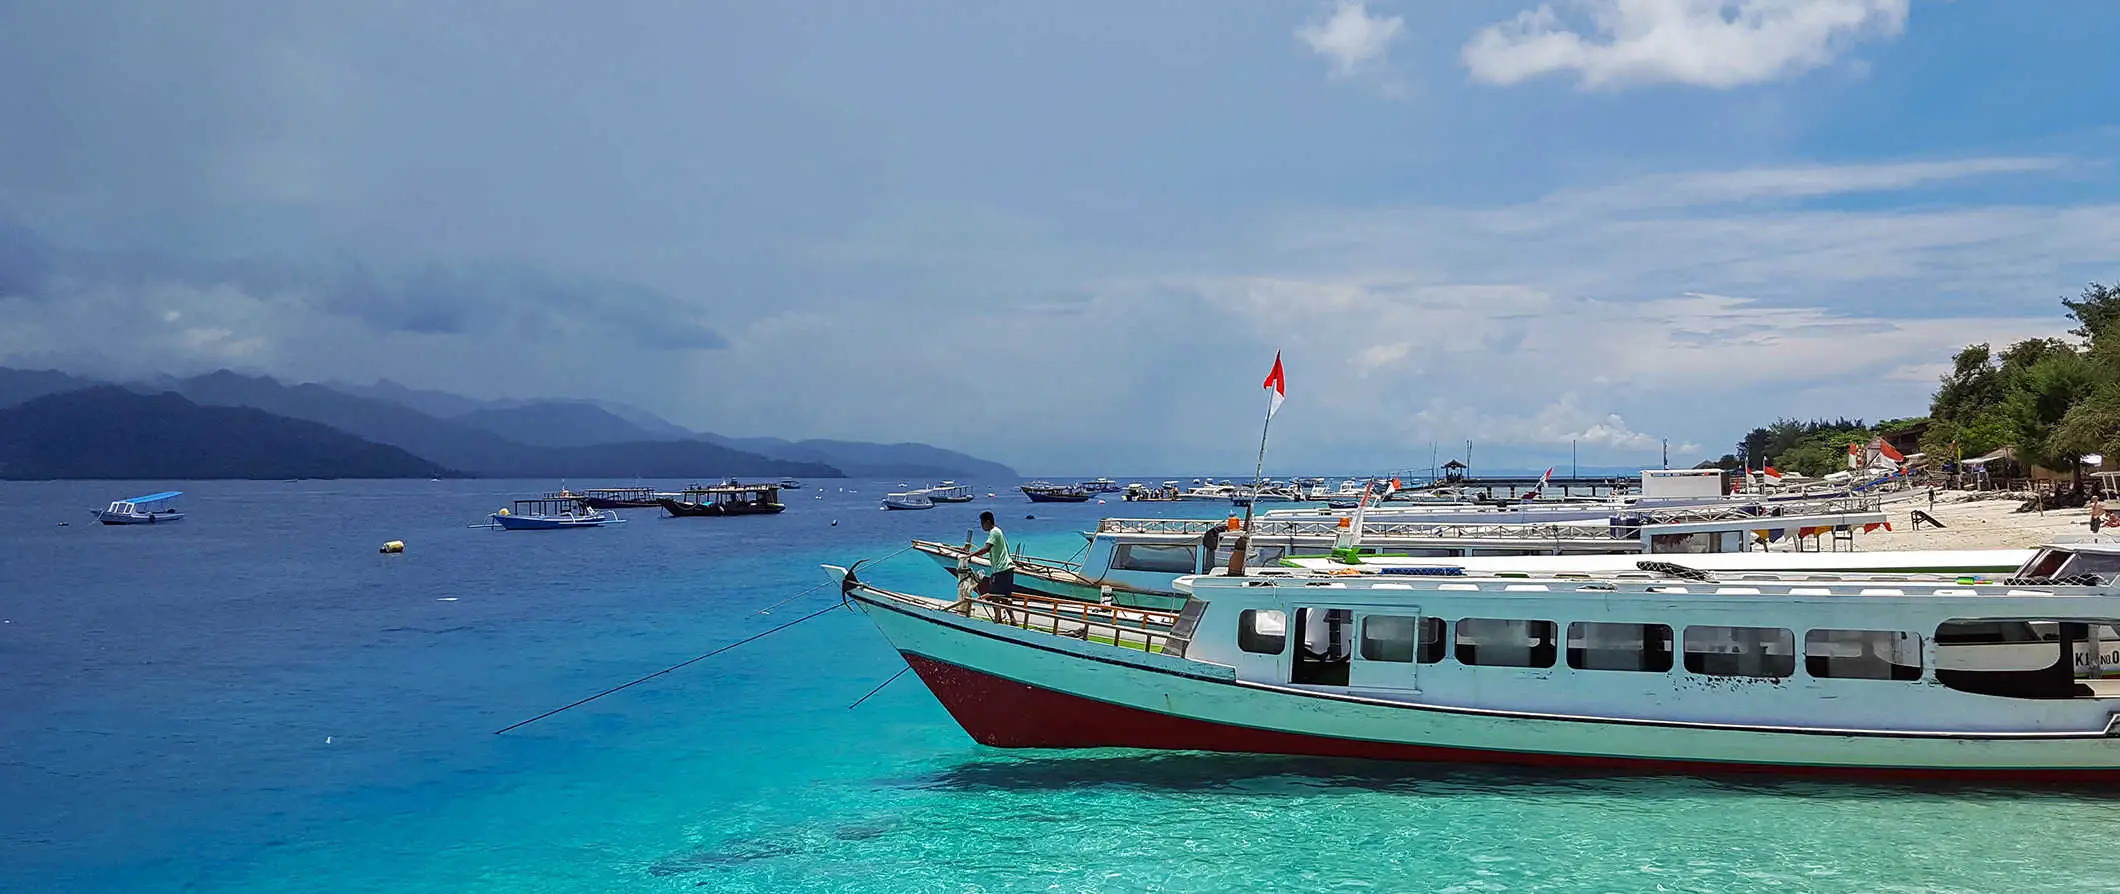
(1705, 43)
(1351, 37)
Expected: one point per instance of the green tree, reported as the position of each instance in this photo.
(2040, 397)
(2095, 311)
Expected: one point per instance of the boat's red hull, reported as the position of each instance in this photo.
(1007, 714)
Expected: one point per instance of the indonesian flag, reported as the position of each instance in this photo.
(1276, 382)
(1770, 473)
(1889, 453)
(1542, 479)
(1854, 456)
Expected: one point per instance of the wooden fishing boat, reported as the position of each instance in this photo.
(147, 510)
(553, 514)
(1672, 670)
(1042, 492)
(724, 499)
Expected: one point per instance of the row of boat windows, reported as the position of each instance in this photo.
(1508, 642)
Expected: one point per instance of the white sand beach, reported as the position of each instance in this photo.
(1972, 522)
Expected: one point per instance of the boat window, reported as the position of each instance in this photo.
(1431, 641)
(2101, 564)
(1501, 642)
(1264, 631)
(1626, 647)
(1741, 651)
(1167, 558)
(2017, 658)
(1388, 638)
(1862, 655)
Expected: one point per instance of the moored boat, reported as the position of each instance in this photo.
(948, 492)
(612, 497)
(1679, 672)
(719, 500)
(908, 500)
(553, 514)
(147, 510)
(1042, 492)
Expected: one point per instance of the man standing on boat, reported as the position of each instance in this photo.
(1002, 581)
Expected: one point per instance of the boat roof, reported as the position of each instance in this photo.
(154, 498)
(1890, 561)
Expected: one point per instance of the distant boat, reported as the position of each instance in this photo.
(553, 514)
(790, 484)
(724, 499)
(1101, 486)
(1042, 492)
(613, 497)
(912, 499)
(140, 510)
(949, 492)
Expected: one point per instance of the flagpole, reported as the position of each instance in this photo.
(1258, 475)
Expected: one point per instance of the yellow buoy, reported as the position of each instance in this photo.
(394, 546)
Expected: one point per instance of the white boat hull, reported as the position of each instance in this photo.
(1024, 689)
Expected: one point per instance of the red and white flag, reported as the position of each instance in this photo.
(1770, 473)
(1276, 382)
(1542, 479)
(1889, 453)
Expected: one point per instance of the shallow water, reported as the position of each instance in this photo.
(254, 700)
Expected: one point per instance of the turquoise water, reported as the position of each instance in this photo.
(254, 700)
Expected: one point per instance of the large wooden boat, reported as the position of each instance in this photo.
(1670, 671)
(719, 500)
(1041, 492)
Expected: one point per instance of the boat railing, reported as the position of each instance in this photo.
(1624, 523)
(1130, 628)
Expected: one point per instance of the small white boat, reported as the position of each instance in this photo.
(145, 510)
(948, 492)
(912, 499)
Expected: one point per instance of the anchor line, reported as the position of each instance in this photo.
(879, 687)
(682, 664)
(695, 660)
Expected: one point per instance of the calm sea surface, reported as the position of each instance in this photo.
(255, 700)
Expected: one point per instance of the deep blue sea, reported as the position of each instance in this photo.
(255, 700)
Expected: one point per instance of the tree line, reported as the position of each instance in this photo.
(2054, 399)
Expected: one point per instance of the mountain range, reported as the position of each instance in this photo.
(105, 431)
(515, 438)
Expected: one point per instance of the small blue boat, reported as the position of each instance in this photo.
(553, 514)
(145, 510)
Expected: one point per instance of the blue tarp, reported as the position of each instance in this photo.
(155, 498)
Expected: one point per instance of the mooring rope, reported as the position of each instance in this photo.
(879, 687)
(695, 660)
(690, 661)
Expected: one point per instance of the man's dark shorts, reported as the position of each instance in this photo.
(1000, 583)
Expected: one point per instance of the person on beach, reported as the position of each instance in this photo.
(1002, 581)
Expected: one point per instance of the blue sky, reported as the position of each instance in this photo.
(1070, 236)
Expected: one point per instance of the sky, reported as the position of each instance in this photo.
(1071, 236)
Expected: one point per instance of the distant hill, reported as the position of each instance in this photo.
(479, 451)
(579, 422)
(18, 385)
(111, 432)
(861, 459)
(559, 424)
